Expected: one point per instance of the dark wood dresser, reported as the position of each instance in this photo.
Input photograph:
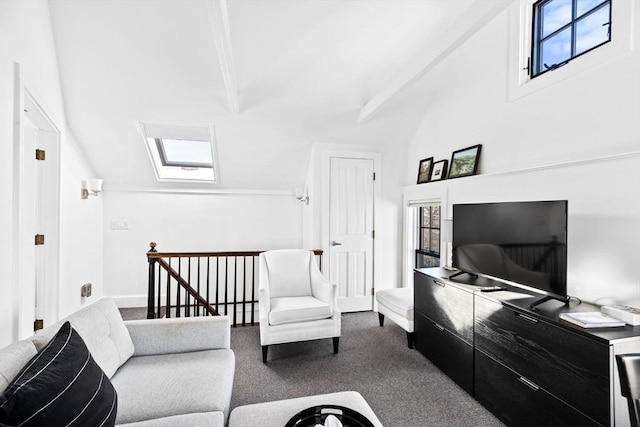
(529, 368)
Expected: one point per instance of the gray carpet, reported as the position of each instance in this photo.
(402, 387)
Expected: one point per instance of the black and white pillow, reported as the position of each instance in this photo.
(61, 386)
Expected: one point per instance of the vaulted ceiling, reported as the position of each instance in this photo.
(272, 76)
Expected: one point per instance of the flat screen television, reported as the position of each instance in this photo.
(524, 243)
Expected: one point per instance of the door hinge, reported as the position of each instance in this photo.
(374, 176)
(39, 239)
(373, 234)
(38, 324)
(40, 154)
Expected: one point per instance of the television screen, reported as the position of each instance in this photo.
(521, 242)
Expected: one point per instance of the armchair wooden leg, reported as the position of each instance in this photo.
(265, 349)
(381, 319)
(410, 336)
(336, 341)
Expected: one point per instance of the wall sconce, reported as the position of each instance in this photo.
(302, 196)
(91, 187)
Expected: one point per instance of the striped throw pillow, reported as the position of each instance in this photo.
(60, 386)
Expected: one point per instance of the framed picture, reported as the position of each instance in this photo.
(424, 171)
(465, 162)
(439, 170)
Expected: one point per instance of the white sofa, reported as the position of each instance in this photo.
(166, 372)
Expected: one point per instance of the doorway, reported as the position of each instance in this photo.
(36, 215)
(349, 237)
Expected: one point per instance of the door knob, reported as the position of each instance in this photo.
(334, 243)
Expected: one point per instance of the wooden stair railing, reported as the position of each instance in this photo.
(194, 293)
(203, 287)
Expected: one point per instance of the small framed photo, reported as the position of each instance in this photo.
(424, 170)
(439, 170)
(465, 162)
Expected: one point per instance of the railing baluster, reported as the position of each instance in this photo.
(253, 288)
(226, 287)
(235, 290)
(168, 309)
(159, 297)
(244, 290)
(178, 293)
(208, 282)
(187, 312)
(217, 284)
(198, 287)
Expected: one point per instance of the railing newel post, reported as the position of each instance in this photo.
(151, 285)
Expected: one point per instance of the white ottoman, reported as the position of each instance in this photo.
(277, 413)
(397, 305)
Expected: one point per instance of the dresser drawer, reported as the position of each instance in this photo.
(447, 305)
(518, 402)
(448, 352)
(570, 366)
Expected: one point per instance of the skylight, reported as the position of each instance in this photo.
(185, 153)
(181, 153)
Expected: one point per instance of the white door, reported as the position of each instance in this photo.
(37, 218)
(351, 233)
(28, 253)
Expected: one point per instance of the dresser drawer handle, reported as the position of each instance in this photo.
(533, 386)
(438, 327)
(439, 283)
(527, 318)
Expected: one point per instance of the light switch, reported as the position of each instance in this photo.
(119, 224)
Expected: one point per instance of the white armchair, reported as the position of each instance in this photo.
(296, 303)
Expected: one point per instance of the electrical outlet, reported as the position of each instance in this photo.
(85, 290)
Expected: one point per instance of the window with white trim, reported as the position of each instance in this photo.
(428, 251)
(566, 29)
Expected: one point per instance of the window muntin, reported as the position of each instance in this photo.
(184, 153)
(428, 252)
(565, 29)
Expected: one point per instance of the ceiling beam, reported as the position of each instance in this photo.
(219, 21)
(466, 25)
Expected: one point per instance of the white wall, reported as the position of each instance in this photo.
(26, 38)
(585, 125)
(201, 222)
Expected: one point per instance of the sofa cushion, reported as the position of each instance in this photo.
(201, 419)
(101, 327)
(179, 334)
(174, 384)
(60, 386)
(298, 309)
(12, 359)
